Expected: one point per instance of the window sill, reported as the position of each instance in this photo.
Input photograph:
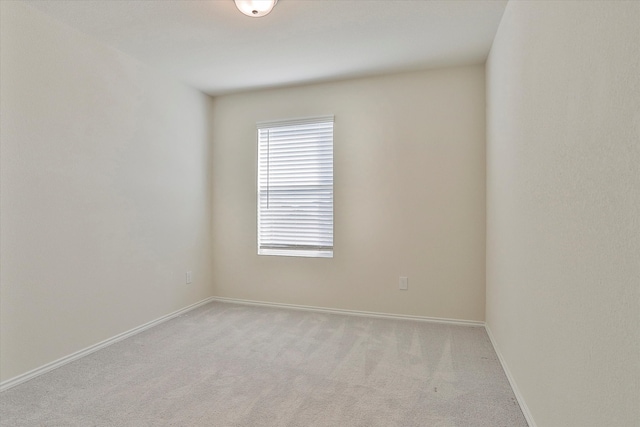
(296, 253)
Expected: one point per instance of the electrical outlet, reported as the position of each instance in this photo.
(404, 283)
(189, 277)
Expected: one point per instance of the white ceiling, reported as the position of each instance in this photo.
(210, 45)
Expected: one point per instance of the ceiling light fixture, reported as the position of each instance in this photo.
(255, 8)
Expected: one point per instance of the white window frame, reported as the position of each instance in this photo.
(276, 232)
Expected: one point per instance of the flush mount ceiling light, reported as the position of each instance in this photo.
(255, 8)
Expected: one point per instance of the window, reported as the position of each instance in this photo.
(295, 187)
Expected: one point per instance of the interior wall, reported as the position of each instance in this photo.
(105, 192)
(409, 166)
(563, 199)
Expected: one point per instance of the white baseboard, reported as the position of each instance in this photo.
(514, 387)
(351, 312)
(12, 382)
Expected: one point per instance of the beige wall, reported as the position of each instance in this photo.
(563, 199)
(409, 195)
(105, 192)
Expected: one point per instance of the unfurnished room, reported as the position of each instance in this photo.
(320, 213)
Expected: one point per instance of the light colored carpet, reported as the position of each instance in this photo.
(234, 365)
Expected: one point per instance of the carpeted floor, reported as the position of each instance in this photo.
(235, 365)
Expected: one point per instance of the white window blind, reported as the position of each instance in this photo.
(295, 187)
